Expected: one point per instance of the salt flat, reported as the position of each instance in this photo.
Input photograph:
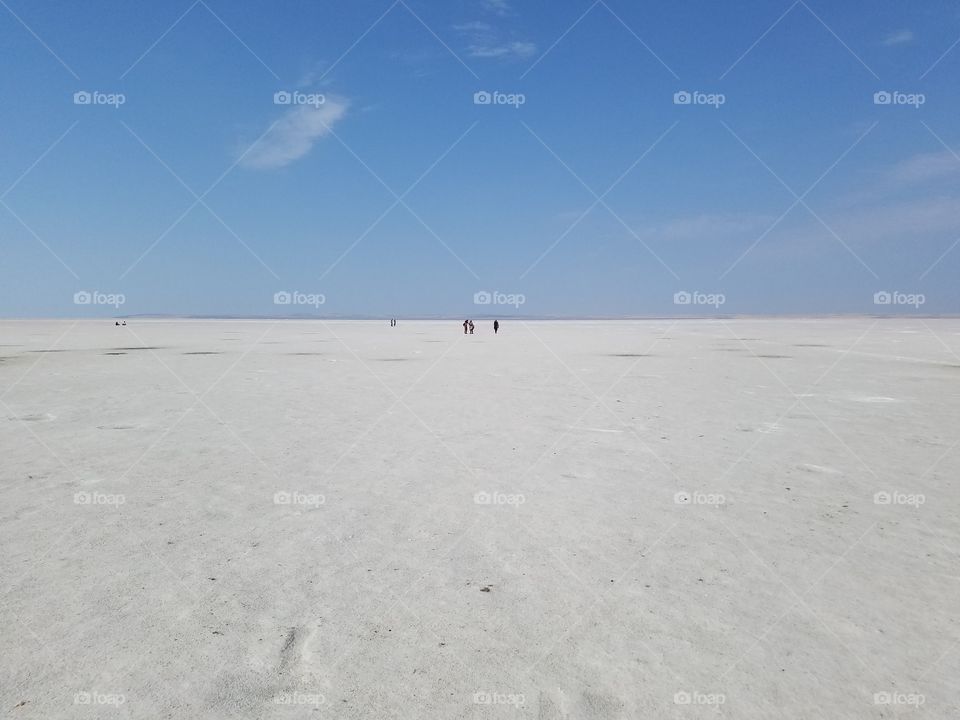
(751, 518)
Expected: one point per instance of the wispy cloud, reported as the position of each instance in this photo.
(515, 49)
(711, 226)
(486, 41)
(923, 168)
(295, 134)
(906, 177)
(474, 27)
(922, 224)
(315, 75)
(499, 7)
(901, 37)
(717, 229)
(911, 220)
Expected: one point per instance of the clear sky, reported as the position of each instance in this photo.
(387, 186)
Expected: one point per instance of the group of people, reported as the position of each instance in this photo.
(468, 327)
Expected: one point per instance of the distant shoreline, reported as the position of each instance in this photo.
(460, 318)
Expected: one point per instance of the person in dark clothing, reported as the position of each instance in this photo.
(496, 326)
(465, 323)
(471, 327)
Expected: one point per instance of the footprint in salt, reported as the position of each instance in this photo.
(36, 417)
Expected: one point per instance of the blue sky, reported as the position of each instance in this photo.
(782, 187)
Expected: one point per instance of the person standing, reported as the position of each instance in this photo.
(471, 327)
(496, 326)
(465, 323)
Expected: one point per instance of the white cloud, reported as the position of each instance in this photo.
(315, 75)
(476, 26)
(486, 40)
(923, 168)
(500, 7)
(907, 176)
(918, 225)
(506, 50)
(294, 135)
(912, 199)
(901, 37)
(907, 221)
(713, 226)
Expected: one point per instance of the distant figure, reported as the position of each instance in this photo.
(124, 323)
(117, 323)
(496, 326)
(471, 327)
(465, 324)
